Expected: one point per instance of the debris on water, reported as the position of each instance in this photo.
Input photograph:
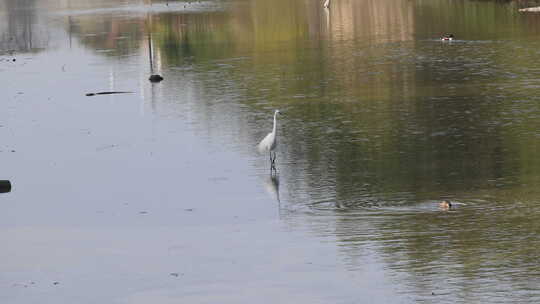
(108, 93)
(155, 78)
(106, 147)
(25, 285)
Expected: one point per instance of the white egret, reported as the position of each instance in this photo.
(269, 142)
(326, 4)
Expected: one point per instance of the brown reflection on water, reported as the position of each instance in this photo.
(22, 28)
(375, 21)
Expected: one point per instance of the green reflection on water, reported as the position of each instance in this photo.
(369, 90)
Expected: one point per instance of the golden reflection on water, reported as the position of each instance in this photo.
(375, 21)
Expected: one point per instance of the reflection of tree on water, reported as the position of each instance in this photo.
(116, 36)
(19, 27)
(445, 144)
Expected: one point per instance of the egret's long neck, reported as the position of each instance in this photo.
(275, 123)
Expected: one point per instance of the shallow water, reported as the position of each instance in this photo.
(159, 195)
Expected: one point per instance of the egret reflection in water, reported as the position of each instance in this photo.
(271, 185)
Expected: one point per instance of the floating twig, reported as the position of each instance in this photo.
(107, 93)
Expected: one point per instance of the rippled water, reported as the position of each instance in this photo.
(159, 195)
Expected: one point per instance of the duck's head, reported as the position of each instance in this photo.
(445, 204)
(447, 37)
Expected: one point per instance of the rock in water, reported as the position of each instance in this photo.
(5, 186)
(155, 78)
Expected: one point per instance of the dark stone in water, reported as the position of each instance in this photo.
(155, 78)
(5, 186)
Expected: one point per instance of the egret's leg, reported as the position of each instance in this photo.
(272, 161)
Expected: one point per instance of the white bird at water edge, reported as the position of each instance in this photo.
(326, 4)
(269, 142)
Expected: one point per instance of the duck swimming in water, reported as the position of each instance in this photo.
(447, 37)
(445, 205)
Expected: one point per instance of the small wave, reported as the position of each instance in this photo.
(373, 205)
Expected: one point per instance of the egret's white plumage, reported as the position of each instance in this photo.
(326, 4)
(269, 142)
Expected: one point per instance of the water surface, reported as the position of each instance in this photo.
(159, 195)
